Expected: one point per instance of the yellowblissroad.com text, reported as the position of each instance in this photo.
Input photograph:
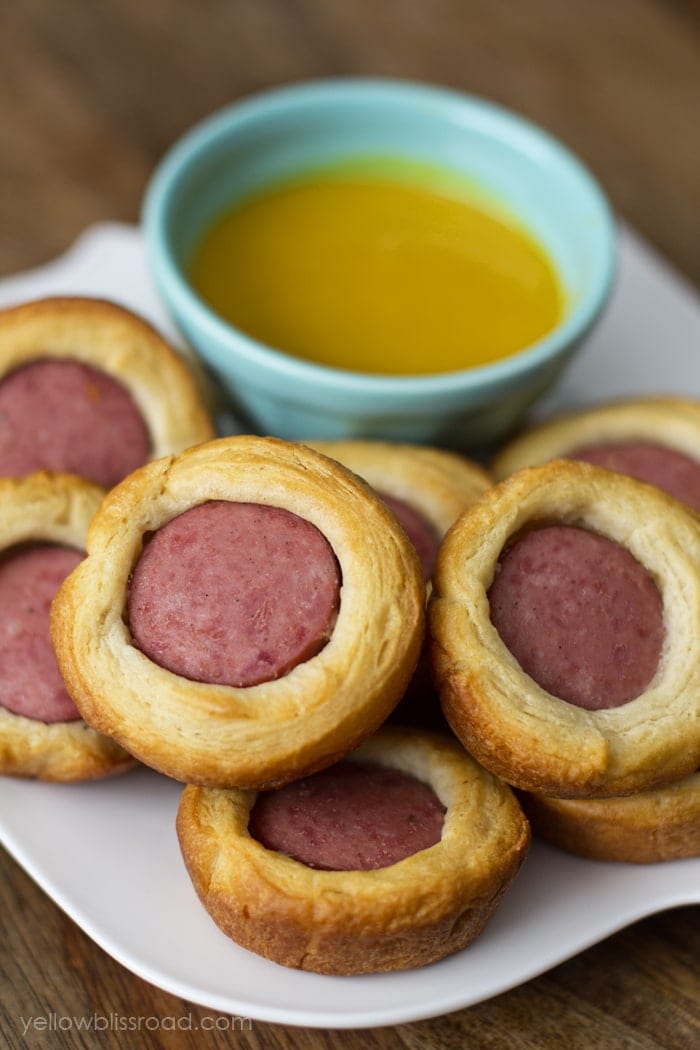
(116, 1022)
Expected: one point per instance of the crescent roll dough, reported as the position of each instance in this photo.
(535, 740)
(670, 422)
(661, 824)
(126, 348)
(413, 912)
(278, 730)
(52, 508)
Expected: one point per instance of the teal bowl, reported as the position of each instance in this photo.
(281, 134)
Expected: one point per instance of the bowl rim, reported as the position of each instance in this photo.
(480, 114)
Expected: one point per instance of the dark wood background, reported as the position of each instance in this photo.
(91, 94)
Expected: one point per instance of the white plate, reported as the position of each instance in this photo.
(107, 852)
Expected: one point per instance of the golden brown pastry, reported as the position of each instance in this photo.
(277, 608)
(43, 522)
(434, 484)
(89, 388)
(619, 546)
(409, 913)
(427, 489)
(656, 440)
(657, 825)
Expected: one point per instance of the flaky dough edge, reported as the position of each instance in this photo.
(279, 730)
(52, 508)
(530, 738)
(409, 914)
(671, 422)
(658, 825)
(438, 483)
(109, 337)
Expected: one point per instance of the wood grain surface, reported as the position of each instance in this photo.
(91, 94)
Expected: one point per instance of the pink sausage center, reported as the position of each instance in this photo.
(351, 817)
(419, 531)
(580, 615)
(672, 471)
(30, 682)
(234, 593)
(64, 415)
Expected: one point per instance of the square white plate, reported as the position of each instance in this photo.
(107, 852)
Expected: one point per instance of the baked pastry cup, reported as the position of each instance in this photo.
(264, 734)
(54, 509)
(411, 913)
(438, 484)
(523, 733)
(667, 422)
(126, 349)
(657, 825)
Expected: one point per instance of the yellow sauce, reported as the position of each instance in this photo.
(372, 274)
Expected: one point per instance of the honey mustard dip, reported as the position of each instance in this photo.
(377, 274)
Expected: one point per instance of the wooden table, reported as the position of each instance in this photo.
(91, 95)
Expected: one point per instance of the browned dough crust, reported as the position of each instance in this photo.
(658, 825)
(52, 508)
(439, 484)
(109, 337)
(530, 738)
(279, 730)
(409, 914)
(671, 422)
